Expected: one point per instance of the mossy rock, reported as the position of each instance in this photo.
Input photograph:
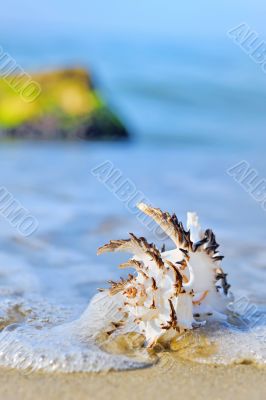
(67, 107)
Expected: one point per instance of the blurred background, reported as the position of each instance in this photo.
(187, 103)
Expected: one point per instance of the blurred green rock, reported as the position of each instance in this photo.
(64, 105)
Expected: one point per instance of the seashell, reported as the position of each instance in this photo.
(170, 291)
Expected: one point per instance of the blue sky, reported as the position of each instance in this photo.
(191, 18)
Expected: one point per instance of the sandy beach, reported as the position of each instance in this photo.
(181, 380)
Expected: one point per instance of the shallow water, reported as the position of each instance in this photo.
(48, 278)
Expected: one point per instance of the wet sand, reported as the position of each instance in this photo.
(182, 379)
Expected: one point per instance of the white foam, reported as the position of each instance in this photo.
(41, 341)
(57, 349)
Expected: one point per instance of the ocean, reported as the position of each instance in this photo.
(194, 111)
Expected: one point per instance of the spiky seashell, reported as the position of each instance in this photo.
(171, 291)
